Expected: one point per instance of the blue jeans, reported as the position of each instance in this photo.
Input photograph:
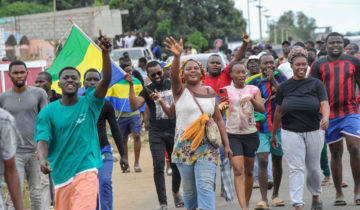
(269, 169)
(198, 181)
(105, 183)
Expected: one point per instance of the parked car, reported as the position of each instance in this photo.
(134, 53)
(202, 57)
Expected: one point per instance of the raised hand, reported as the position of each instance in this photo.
(129, 79)
(175, 47)
(155, 96)
(105, 42)
(245, 38)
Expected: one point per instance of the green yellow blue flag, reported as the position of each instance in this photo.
(82, 53)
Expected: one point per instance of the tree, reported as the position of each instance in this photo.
(181, 18)
(22, 8)
(197, 41)
(298, 26)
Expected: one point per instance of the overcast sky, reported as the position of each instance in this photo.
(341, 15)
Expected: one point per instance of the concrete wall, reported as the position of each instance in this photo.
(90, 19)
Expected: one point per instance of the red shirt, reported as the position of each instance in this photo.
(222, 80)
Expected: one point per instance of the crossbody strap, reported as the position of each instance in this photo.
(196, 101)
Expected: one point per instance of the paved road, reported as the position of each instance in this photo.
(137, 190)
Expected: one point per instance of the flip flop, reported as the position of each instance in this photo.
(277, 202)
(357, 199)
(137, 169)
(316, 205)
(340, 201)
(179, 202)
(262, 205)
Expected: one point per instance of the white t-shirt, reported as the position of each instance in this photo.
(120, 43)
(129, 41)
(149, 41)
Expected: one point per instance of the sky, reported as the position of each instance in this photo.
(341, 15)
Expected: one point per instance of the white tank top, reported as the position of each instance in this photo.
(187, 111)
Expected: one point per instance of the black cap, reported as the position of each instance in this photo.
(286, 42)
(320, 41)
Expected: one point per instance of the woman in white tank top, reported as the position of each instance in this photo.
(197, 168)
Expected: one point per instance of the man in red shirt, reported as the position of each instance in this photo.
(217, 78)
(340, 73)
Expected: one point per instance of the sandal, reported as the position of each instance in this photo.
(357, 199)
(277, 202)
(179, 202)
(137, 169)
(316, 205)
(126, 170)
(326, 181)
(340, 201)
(163, 208)
(262, 205)
(344, 184)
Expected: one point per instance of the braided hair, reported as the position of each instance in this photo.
(297, 55)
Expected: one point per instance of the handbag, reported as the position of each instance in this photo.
(211, 128)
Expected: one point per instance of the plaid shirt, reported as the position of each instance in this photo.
(227, 182)
(9, 136)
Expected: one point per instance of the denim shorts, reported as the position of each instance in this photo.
(130, 124)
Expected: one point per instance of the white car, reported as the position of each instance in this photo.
(202, 57)
(134, 53)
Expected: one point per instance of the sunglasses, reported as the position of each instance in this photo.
(159, 73)
(253, 64)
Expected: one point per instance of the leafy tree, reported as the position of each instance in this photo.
(181, 18)
(298, 25)
(22, 8)
(197, 41)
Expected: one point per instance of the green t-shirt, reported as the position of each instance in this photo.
(72, 135)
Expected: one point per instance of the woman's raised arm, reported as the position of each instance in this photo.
(176, 48)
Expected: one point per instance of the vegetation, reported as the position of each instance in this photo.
(208, 19)
(298, 25)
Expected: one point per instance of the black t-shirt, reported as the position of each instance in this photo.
(108, 113)
(55, 96)
(159, 121)
(300, 104)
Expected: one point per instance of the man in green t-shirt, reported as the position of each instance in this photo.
(68, 142)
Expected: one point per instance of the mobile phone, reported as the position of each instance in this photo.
(223, 93)
(148, 89)
(107, 45)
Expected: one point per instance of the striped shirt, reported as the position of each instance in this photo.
(339, 78)
(268, 92)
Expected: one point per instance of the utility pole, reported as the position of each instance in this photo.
(248, 9)
(259, 6)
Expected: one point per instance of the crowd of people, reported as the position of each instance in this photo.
(260, 108)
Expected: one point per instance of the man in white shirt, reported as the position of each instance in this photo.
(149, 40)
(129, 40)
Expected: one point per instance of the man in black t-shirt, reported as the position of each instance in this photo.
(158, 97)
(92, 78)
(44, 80)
